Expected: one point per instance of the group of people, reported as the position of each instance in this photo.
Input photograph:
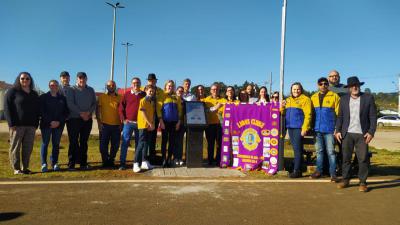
(335, 111)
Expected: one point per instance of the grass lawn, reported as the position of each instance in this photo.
(383, 162)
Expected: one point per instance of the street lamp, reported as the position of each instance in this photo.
(127, 44)
(281, 165)
(117, 5)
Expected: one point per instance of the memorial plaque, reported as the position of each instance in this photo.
(196, 122)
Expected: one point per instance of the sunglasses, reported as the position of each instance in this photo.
(323, 84)
(53, 85)
(275, 96)
(25, 78)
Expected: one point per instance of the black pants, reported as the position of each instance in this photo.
(78, 138)
(168, 136)
(214, 136)
(113, 133)
(152, 136)
(179, 142)
(357, 141)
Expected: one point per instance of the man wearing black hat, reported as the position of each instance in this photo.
(159, 93)
(81, 104)
(355, 128)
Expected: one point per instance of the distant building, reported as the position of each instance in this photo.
(3, 89)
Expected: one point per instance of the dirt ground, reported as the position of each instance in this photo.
(387, 139)
(199, 203)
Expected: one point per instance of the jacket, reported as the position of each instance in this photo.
(170, 109)
(368, 115)
(325, 114)
(298, 112)
(53, 109)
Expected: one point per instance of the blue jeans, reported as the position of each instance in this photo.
(55, 134)
(143, 144)
(127, 131)
(297, 142)
(325, 141)
(108, 132)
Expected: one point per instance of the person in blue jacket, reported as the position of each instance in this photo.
(297, 110)
(326, 108)
(54, 110)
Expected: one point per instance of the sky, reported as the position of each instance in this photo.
(205, 40)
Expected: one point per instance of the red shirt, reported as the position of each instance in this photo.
(129, 105)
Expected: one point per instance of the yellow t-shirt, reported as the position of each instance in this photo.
(230, 102)
(147, 107)
(109, 109)
(213, 117)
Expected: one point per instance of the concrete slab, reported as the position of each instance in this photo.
(194, 172)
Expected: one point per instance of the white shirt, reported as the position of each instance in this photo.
(355, 124)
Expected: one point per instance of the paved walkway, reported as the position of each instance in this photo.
(194, 172)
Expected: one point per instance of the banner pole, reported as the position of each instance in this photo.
(281, 164)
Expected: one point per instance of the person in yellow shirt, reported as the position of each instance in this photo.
(109, 123)
(214, 107)
(158, 94)
(297, 110)
(178, 151)
(145, 122)
(169, 113)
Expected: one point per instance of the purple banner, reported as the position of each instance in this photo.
(250, 137)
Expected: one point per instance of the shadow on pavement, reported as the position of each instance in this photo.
(384, 170)
(10, 215)
(384, 184)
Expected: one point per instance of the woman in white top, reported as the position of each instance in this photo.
(263, 96)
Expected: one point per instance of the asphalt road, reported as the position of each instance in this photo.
(198, 203)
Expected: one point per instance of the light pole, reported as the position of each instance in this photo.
(127, 44)
(398, 95)
(117, 5)
(281, 165)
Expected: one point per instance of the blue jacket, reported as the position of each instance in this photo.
(325, 114)
(298, 112)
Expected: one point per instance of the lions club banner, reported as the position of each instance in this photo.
(250, 136)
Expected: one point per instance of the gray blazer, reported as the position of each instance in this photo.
(368, 115)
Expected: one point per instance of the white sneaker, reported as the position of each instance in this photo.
(180, 163)
(146, 166)
(136, 168)
(56, 167)
(44, 168)
(18, 172)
